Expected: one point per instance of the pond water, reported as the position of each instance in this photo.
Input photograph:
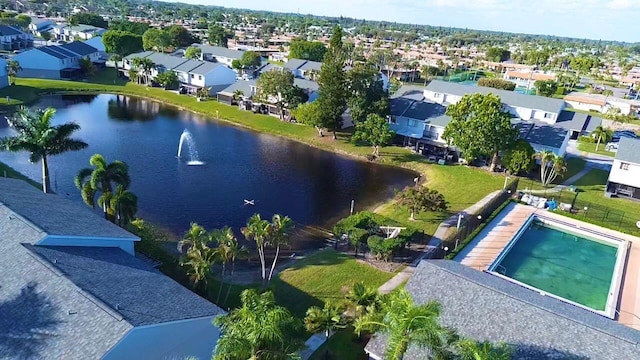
(313, 187)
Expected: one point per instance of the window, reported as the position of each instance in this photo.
(412, 123)
(437, 95)
(199, 77)
(193, 76)
(624, 166)
(548, 115)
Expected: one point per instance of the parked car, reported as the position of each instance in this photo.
(612, 146)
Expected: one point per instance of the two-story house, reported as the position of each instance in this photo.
(219, 54)
(56, 61)
(12, 38)
(74, 32)
(624, 177)
(39, 26)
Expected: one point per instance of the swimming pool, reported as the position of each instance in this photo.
(563, 260)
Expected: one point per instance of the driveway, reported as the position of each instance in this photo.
(593, 160)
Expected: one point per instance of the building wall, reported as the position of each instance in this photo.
(585, 106)
(35, 59)
(631, 176)
(4, 81)
(126, 245)
(40, 74)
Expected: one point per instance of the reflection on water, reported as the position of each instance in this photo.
(313, 187)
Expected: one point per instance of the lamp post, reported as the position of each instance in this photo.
(460, 216)
(505, 182)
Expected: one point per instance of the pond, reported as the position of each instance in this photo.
(313, 187)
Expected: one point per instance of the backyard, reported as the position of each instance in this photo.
(591, 148)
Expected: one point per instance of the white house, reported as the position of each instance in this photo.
(73, 289)
(600, 103)
(56, 61)
(527, 79)
(40, 25)
(12, 38)
(219, 54)
(82, 32)
(4, 77)
(624, 178)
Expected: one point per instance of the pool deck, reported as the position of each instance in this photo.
(485, 248)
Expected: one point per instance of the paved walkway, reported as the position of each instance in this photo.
(397, 280)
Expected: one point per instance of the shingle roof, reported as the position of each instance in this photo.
(268, 67)
(49, 51)
(629, 150)
(142, 54)
(167, 61)
(542, 134)
(306, 84)
(79, 48)
(294, 64)
(220, 51)
(487, 308)
(411, 104)
(508, 97)
(242, 85)
(52, 214)
(9, 30)
(140, 293)
(188, 65)
(205, 67)
(311, 65)
(572, 120)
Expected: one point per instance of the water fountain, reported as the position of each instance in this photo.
(193, 158)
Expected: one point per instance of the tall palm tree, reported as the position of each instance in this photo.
(13, 68)
(258, 230)
(41, 139)
(602, 133)
(472, 350)
(224, 238)
(199, 257)
(362, 299)
(123, 205)
(327, 319)
(102, 178)
(281, 228)
(258, 330)
(551, 166)
(406, 323)
(237, 252)
(144, 65)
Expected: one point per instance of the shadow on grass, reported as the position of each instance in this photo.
(294, 299)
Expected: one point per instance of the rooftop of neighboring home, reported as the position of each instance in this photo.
(6, 30)
(510, 98)
(246, 86)
(71, 50)
(86, 299)
(219, 51)
(540, 133)
(79, 48)
(529, 75)
(304, 65)
(81, 28)
(170, 62)
(628, 150)
(484, 307)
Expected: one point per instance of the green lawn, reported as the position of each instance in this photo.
(344, 344)
(574, 166)
(591, 148)
(322, 276)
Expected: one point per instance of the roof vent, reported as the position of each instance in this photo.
(118, 307)
(71, 312)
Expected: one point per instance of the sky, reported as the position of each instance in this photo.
(593, 19)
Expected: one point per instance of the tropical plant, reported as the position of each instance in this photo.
(203, 92)
(258, 230)
(473, 350)
(225, 239)
(13, 68)
(235, 251)
(259, 330)
(193, 52)
(144, 66)
(420, 198)
(87, 67)
(518, 159)
(199, 257)
(281, 228)
(406, 323)
(167, 79)
(36, 135)
(551, 166)
(116, 58)
(362, 299)
(373, 131)
(601, 133)
(327, 319)
(101, 178)
(123, 205)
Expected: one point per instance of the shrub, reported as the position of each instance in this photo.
(560, 91)
(586, 139)
(383, 249)
(497, 83)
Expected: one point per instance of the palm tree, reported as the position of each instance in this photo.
(224, 238)
(41, 139)
(362, 299)
(601, 133)
(115, 58)
(607, 93)
(238, 95)
(551, 165)
(258, 230)
(473, 350)
(145, 65)
(13, 68)
(237, 252)
(281, 227)
(327, 319)
(258, 330)
(406, 323)
(101, 178)
(199, 257)
(123, 205)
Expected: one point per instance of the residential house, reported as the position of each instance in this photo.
(74, 288)
(97, 43)
(600, 103)
(57, 61)
(4, 77)
(77, 32)
(12, 38)
(40, 25)
(219, 54)
(526, 79)
(248, 89)
(484, 307)
(303, 68)
(624, 177)
(192, 74)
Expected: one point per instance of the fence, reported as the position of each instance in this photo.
(469, 223)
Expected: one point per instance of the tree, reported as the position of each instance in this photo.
(518, 159)
(167, 79)
(87, 18)
(179, 36)
(327, 319)
(546, 87)
(406, 323)
(332, 83)
(157, 39)
(362, 300)
(276, 87)
(123, 205)
(258, 230)
(497, 54)
(551, 166)
(13, 68)
(46, 36)
(234, 251)
(428, 72)
(193, 52)
(309, 114)
(225, 239)
(601, 133)
(473, 350)
(307, 50)
(199, 257)
(366, 94)
(281, 228)
(421, 198)
(145, 66)
(87, 67)
(374, 131)
(259, 330)
(121, 42)
(497, 83)
(218, 36)
(137, 28)
(251, 59)
(479, 126)
(101, 178)
(36, 135)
